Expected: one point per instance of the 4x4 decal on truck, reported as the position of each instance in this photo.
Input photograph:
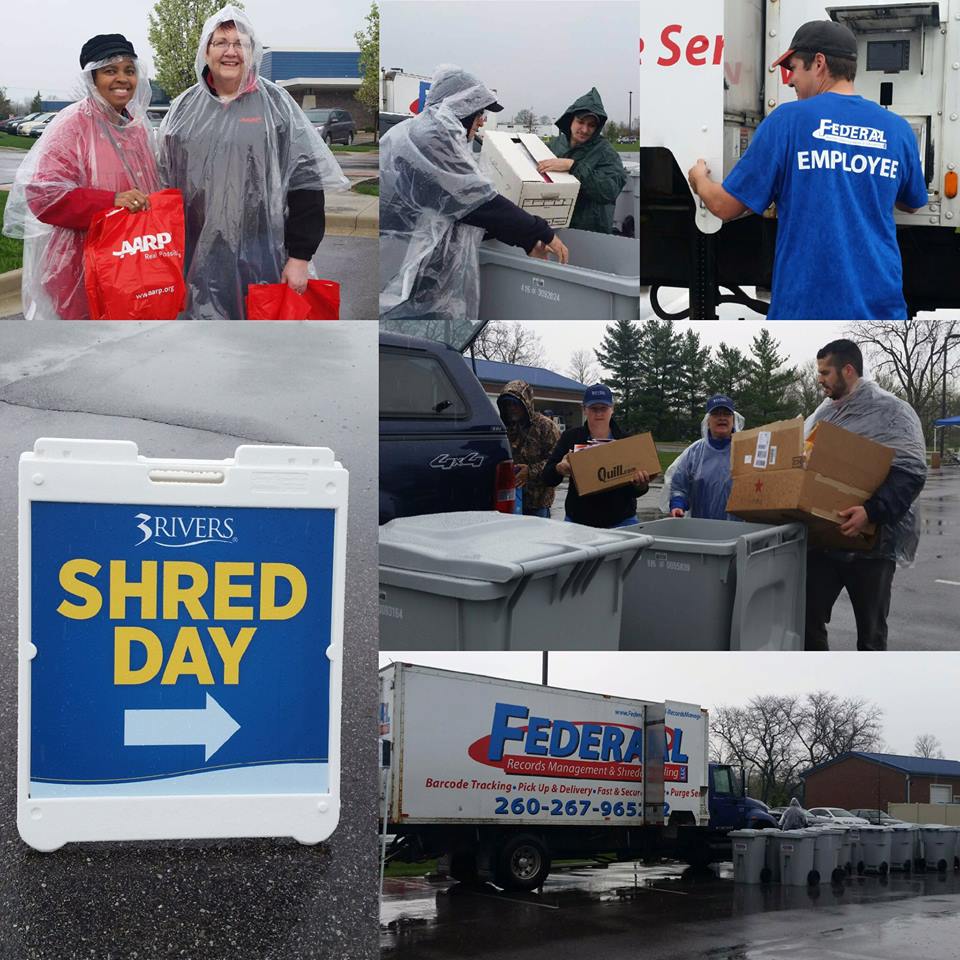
(445, 462)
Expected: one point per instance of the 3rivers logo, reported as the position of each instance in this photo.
(176, 531)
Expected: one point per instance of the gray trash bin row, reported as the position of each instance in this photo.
(491, 581)
(822, 854)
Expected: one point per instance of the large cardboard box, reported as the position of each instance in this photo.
(510, 160)
(773, 482)
(604, 466)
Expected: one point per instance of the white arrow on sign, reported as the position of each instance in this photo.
(211, 726)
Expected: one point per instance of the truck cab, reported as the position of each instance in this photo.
(730, 807)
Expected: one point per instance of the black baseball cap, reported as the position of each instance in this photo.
(822, 36)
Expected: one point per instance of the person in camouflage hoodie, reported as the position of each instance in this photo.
(532, 438)
(586, 154)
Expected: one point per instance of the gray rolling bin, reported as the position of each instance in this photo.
(601, 281)
(492, 581)
(717, 585)
(751, 856)
(628, 203)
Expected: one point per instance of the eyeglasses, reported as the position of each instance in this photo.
(237, 45)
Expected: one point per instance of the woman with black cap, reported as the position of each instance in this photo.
(95, 154)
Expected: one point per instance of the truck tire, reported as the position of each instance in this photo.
(463, 867)
(522, 863)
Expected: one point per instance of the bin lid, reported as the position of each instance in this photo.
(697, 535)
(497, 547)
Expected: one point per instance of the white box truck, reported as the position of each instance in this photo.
(706, 83)
(499, 777)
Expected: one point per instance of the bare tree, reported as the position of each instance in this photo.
(582, 368)
(805, 391)
(910, 351)
(776, 738)
(927, 745)
(509, 342)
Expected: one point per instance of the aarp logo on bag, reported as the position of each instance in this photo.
(151, 241)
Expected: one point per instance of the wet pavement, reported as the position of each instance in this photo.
(667, 913)
(10, 159)
(197, 390)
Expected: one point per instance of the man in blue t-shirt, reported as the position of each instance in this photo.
(836, 165)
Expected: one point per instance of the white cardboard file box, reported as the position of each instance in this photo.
(510, 160)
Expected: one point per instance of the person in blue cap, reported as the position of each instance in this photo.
(608, 508)
(700, 483)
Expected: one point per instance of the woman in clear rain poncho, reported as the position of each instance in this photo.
(96, 154)
(436, 205)
(252, 170)
(699, 480)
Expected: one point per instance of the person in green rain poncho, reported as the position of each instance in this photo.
(582, 150)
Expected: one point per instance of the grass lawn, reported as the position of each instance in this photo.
(398, 869)
(667, 458)
(21, 143)
(368, 189)
(11, 251)
(355, 148)
(626, 147)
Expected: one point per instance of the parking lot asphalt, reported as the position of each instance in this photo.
(197, 390)
(669, 913)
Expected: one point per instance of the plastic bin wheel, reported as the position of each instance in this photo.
(941, 865)
(907, 865)
(523, 863)
(883, 868)
(838, 875)
(861, 868)
(921, 863)
(766, 875)
(813, 878)
(463, 867)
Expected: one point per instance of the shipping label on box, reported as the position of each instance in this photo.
(510, 161)
(604, 466)
(806, 480)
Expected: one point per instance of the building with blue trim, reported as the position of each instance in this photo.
(319, 78)
(866, 780)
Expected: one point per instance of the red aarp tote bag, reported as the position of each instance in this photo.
(133, 262)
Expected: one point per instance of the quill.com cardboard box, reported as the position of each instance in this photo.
(602, 466)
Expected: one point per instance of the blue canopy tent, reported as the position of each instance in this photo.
(942, 424)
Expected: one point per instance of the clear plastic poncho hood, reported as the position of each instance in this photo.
(429, 181)
(87, 154)
(252, 52)
(236, 159)
(878, 415)
(704, 475)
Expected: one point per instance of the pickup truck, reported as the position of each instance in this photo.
(443, 446)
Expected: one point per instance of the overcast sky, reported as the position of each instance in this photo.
(917, 691)
(799, 341)
(40, 44)
(540, 54)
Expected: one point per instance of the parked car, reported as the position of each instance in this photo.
(443, 446)
(838, 815)
(37, 128)
(10, 124)
(24, 128)
(15, 124)
(335, 126)
(877, 817)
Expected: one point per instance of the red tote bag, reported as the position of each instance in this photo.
(133, 262)
(277, 301)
